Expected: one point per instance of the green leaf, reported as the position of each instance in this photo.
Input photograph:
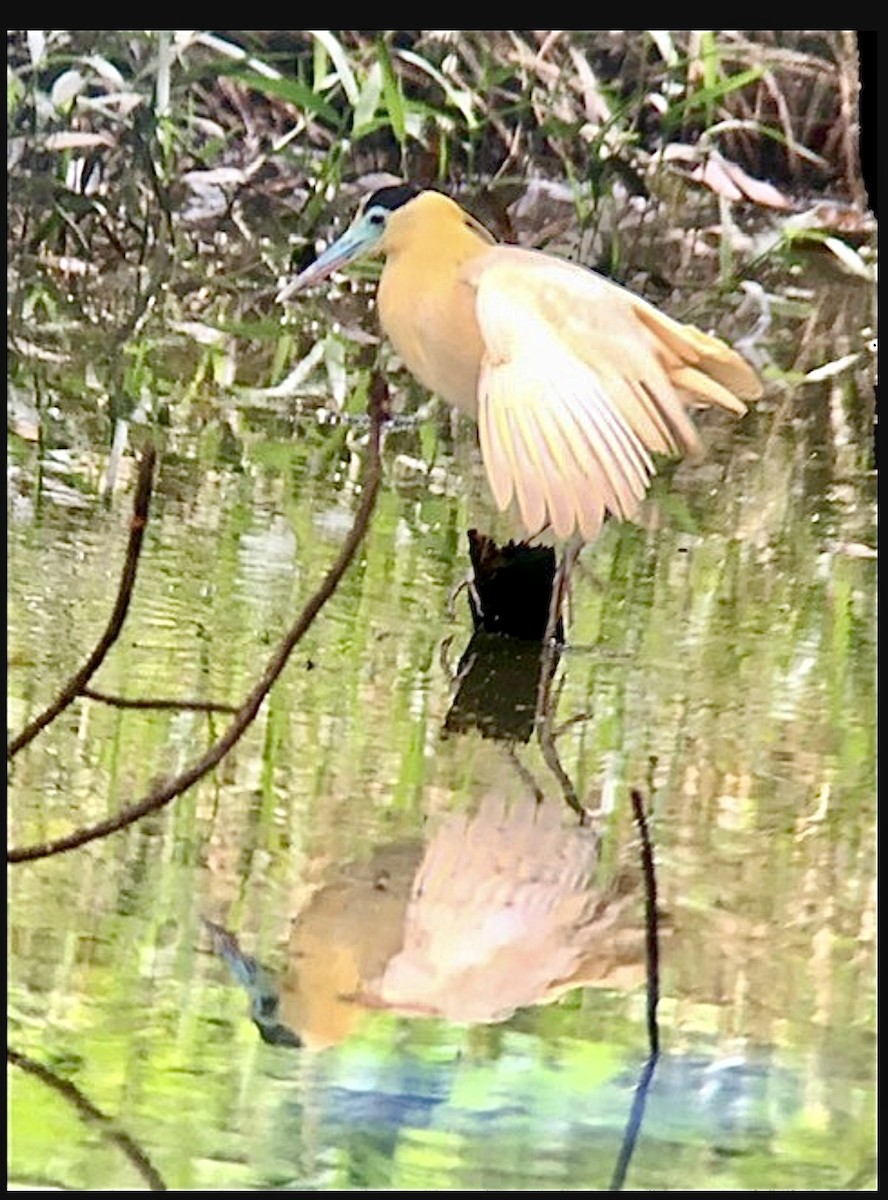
(458, 97)
(15, 90)
(711, 63)
(368, 101)
(708, 95)
(428, 441)
(340, 61)
(392, 95)
(293, 92)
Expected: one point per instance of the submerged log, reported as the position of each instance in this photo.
(511, 587)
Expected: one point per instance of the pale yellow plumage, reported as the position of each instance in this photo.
(573, 380)
(505, 911)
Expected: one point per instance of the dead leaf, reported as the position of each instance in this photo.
(75, 140)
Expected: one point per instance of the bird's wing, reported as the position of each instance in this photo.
(579, 381)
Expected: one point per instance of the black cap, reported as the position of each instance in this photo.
(392, 197)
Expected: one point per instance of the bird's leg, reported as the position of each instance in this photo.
(550, 655)
(450, 607)
(560, 585)
(548, 665)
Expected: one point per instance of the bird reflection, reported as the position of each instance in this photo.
(259, 985)
(346, 933)
(505, 912)
(501, 910)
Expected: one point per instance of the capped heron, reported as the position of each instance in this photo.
(573, 380)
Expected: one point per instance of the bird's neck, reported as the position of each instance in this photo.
(427, 309)
(436, 257)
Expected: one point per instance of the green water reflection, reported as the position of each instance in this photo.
(721, 660)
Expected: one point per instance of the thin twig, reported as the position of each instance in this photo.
(849, 107)
(553, 762)
(651, 921)
(633, 1125)
(75, 685)
(162, 795)
(208, 706)
(639, 1100)
(524, 774)
(88, 1110)
(544, 710)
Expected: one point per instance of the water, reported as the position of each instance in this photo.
(462, 963)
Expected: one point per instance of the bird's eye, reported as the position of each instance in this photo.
(376, 217)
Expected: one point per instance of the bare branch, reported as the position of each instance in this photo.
(75, 685)
(162, 794)
(88, 1110)
(207, 706)
(651, 921)
(639, 1100)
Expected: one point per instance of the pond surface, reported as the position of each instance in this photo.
(376, 948)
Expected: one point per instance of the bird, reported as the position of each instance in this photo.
(574, 381)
